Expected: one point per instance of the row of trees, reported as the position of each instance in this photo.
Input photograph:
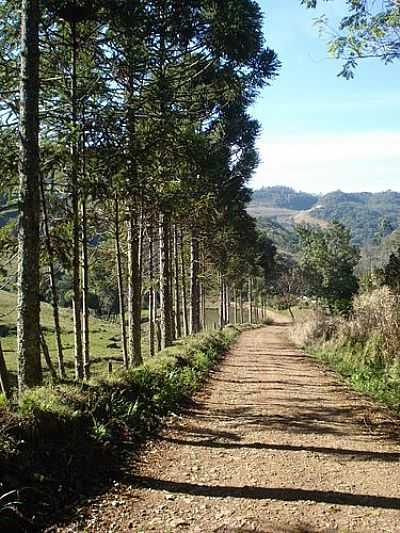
(135, 149)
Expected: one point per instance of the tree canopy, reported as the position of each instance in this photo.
(369, 29)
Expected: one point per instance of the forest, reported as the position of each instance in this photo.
(146, 313)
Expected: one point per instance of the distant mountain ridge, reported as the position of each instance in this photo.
(285, 197)
(371, 217)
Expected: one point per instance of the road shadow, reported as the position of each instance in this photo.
(284, 494)
(212, 442)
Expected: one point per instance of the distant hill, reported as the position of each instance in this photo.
(284, 197)
(371, 217)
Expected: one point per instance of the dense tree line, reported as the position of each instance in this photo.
(128, 126)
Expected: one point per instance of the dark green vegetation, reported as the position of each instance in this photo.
(328, 260)
(90, 427)
(322, 272)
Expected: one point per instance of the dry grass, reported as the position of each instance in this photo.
(373, 325)
(315, 328)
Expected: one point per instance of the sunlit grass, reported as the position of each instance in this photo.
(104, 336)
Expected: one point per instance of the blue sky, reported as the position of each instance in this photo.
(321, 132)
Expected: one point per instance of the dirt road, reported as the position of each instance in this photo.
(274, 443)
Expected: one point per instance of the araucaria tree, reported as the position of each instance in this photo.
(146, 149)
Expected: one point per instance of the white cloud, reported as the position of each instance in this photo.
(351, 162)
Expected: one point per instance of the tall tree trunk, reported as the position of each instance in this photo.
(236, 307)
(134, 290)
(250, 300)
(121, 300)
(221, 302)
(165, 282)
(4, 382)
(178, 323)
(28, 302)
(152, 294)
(85, 291)
(186, 330)
(194, 285)
(79, 371)
(171, 269)
(241, 314)
(257, 300)
(53, 285)
(203, 312)
(227, 303)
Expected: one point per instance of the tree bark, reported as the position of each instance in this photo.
(184, 288)
(178, 323)
(194, 285)
(221, 302)
(118, 261)
(236, 307)
(241, 314)
(85, 291)
(250, 300)
(4, 381)
(152, 295)
(227, 303)
(28, 302)
(165, 282)
(77, 306)
(134, 291)
(53, 285)
(203, 295)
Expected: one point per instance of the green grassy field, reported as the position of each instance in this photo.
(104, 336)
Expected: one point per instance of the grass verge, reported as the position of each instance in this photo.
(369, 375)
(61, 441)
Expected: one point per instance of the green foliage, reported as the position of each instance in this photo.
(368, 29)
(328, 260)
(62, 402)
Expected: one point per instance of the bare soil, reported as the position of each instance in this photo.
(274, 443)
